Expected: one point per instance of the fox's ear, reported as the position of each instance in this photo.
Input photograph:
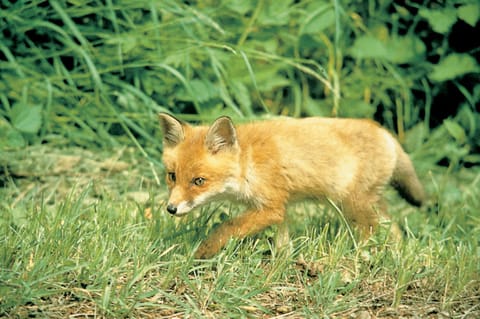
(172, 129)
(221, 135)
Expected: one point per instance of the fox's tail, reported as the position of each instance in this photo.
(405, 180)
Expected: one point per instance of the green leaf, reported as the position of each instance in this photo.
(319, 20)
(441, 20)
(241, 7)
(472, 158)
(368, 47)
(202, 90)
(469, 13)
(9, 136)
(453, 66)
(415, 136)
(26, 118)
(15, 139)
(456, 131)
(275, 13)
(317, 107)
(242, 95)
(396, 49)
(405, 49)
(356, 108)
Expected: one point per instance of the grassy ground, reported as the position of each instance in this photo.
(85, 235)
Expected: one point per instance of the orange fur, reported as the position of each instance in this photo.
(266, 165)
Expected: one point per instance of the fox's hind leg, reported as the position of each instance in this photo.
(385, 221)
(282, 239)
(367, 212)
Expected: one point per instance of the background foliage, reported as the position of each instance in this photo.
(96, 72)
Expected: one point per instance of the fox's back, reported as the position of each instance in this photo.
(319, 155)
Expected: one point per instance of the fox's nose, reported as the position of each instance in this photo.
(171, 209)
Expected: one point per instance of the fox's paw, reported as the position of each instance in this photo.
(212, 245)
(216, 241)
(206, 250)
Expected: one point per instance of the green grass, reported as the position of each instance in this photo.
(103, 246)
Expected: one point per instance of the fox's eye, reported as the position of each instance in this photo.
(199, 181)
(172, 177)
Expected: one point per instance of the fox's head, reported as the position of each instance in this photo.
(201, 162)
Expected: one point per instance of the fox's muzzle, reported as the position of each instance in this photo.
(172, 209)
(181, 207)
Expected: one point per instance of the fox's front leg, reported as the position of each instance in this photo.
(249, 223)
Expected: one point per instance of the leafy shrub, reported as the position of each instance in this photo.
(96, 73)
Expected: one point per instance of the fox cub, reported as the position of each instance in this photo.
(268, 164)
